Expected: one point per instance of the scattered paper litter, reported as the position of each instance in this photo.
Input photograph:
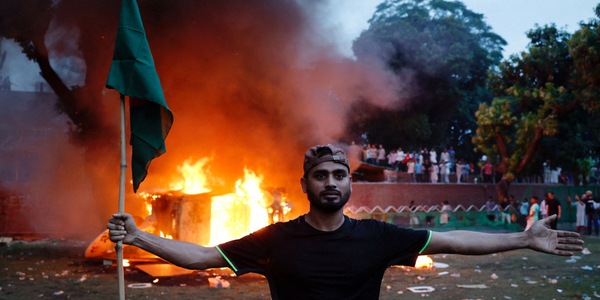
(524, 258)
(494, 276)
(400, 292)
(559, 290)
(439, 265)
(472, 286)
(586, 251)
(570, 260)
(455, 275)
(531, 281)
(421, 277)
(514, 285)
(443, 273)
(587, 268)
(421, 289)
(553, 281)
(139, 285)
(507, 297)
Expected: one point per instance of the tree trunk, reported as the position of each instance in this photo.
(502, 187)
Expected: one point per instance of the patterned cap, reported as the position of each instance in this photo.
(320, 154)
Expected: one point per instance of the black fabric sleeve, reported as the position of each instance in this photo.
(404, 245)
(248, 254)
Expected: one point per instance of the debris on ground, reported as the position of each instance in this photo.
(421, 289)
(140, 285)
(218, 283)
(472, 286)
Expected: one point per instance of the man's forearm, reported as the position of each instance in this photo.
(186, 255)
(476, 243)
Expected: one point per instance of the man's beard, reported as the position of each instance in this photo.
(326, 206)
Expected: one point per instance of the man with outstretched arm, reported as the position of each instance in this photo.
(327, 255)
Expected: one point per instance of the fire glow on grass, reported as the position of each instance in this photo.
(424, 262)
(236, 215)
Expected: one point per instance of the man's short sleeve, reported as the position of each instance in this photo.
(248, 254)
(404, 245)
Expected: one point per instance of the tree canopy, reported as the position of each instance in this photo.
(443, 48)
(543, 98)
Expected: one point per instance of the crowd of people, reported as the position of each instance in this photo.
(426, 165)
(422, 166)
(529, 211)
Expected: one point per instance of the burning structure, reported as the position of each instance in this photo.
(195, 210)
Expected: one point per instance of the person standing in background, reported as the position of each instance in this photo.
(381, 156)
(553, 208)
(580, 205)
(459, 171)
(590, 212)
(410, 169)
(452, 158)
(534, 210)
(433, 156)
(419, 171)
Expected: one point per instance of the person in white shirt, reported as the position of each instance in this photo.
(433, 156)
(392, 159)
(410, 169)
(445, 156)
(459, 171)
(581, 220)
(435, 169)
(444, 215)
(543, 208)
(444, 171)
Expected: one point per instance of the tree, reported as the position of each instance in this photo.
(536, 92)
(445, 50)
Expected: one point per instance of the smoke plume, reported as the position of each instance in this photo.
(251, 84)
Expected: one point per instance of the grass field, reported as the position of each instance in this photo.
(58, 270)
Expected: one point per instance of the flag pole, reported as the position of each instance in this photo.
(119, 246)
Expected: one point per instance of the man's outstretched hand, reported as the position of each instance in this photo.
(121, 227)
(550, 241)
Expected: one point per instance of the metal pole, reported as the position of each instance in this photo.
(119, 246)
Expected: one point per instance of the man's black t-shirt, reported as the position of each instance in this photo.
(552, 205)
(301, 262)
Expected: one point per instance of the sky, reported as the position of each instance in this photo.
(511, 19)
(346, 19)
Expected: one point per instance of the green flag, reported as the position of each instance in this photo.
(132, 73)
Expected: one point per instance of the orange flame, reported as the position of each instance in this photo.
(236, 215)
(194, 177)
(168, 236)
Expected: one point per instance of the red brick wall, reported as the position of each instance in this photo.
(397, 194)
